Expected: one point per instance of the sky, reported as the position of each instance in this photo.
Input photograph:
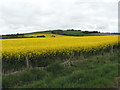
(22, 16)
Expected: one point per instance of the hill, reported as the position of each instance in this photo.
(52, 33)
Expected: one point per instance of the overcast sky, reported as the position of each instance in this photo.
(19, 16)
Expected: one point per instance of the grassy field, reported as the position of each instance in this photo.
(97, 71)
(60, 61)
(69, 33)
(80, 33)
(44, 32)
(56, 32)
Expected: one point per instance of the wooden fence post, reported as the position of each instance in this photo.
(112, 49)
(27, 63)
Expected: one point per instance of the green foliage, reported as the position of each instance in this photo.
(55, 69)
(57, 31)
(78, 33)
(68, 32)
(23, 78)
(86, 74)
(97, 71)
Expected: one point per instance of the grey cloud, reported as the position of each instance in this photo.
(30, 15)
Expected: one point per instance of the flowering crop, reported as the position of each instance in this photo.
(44, 46)
(14, 51)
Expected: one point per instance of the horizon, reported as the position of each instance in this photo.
(57, 29)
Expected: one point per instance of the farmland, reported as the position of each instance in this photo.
(53, 51)
(42, 45)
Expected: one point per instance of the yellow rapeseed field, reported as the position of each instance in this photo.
(51, 45)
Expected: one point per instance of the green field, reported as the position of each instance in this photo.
(97, 71)
(58, 32)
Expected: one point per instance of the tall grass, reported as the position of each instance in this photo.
(97, 71)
